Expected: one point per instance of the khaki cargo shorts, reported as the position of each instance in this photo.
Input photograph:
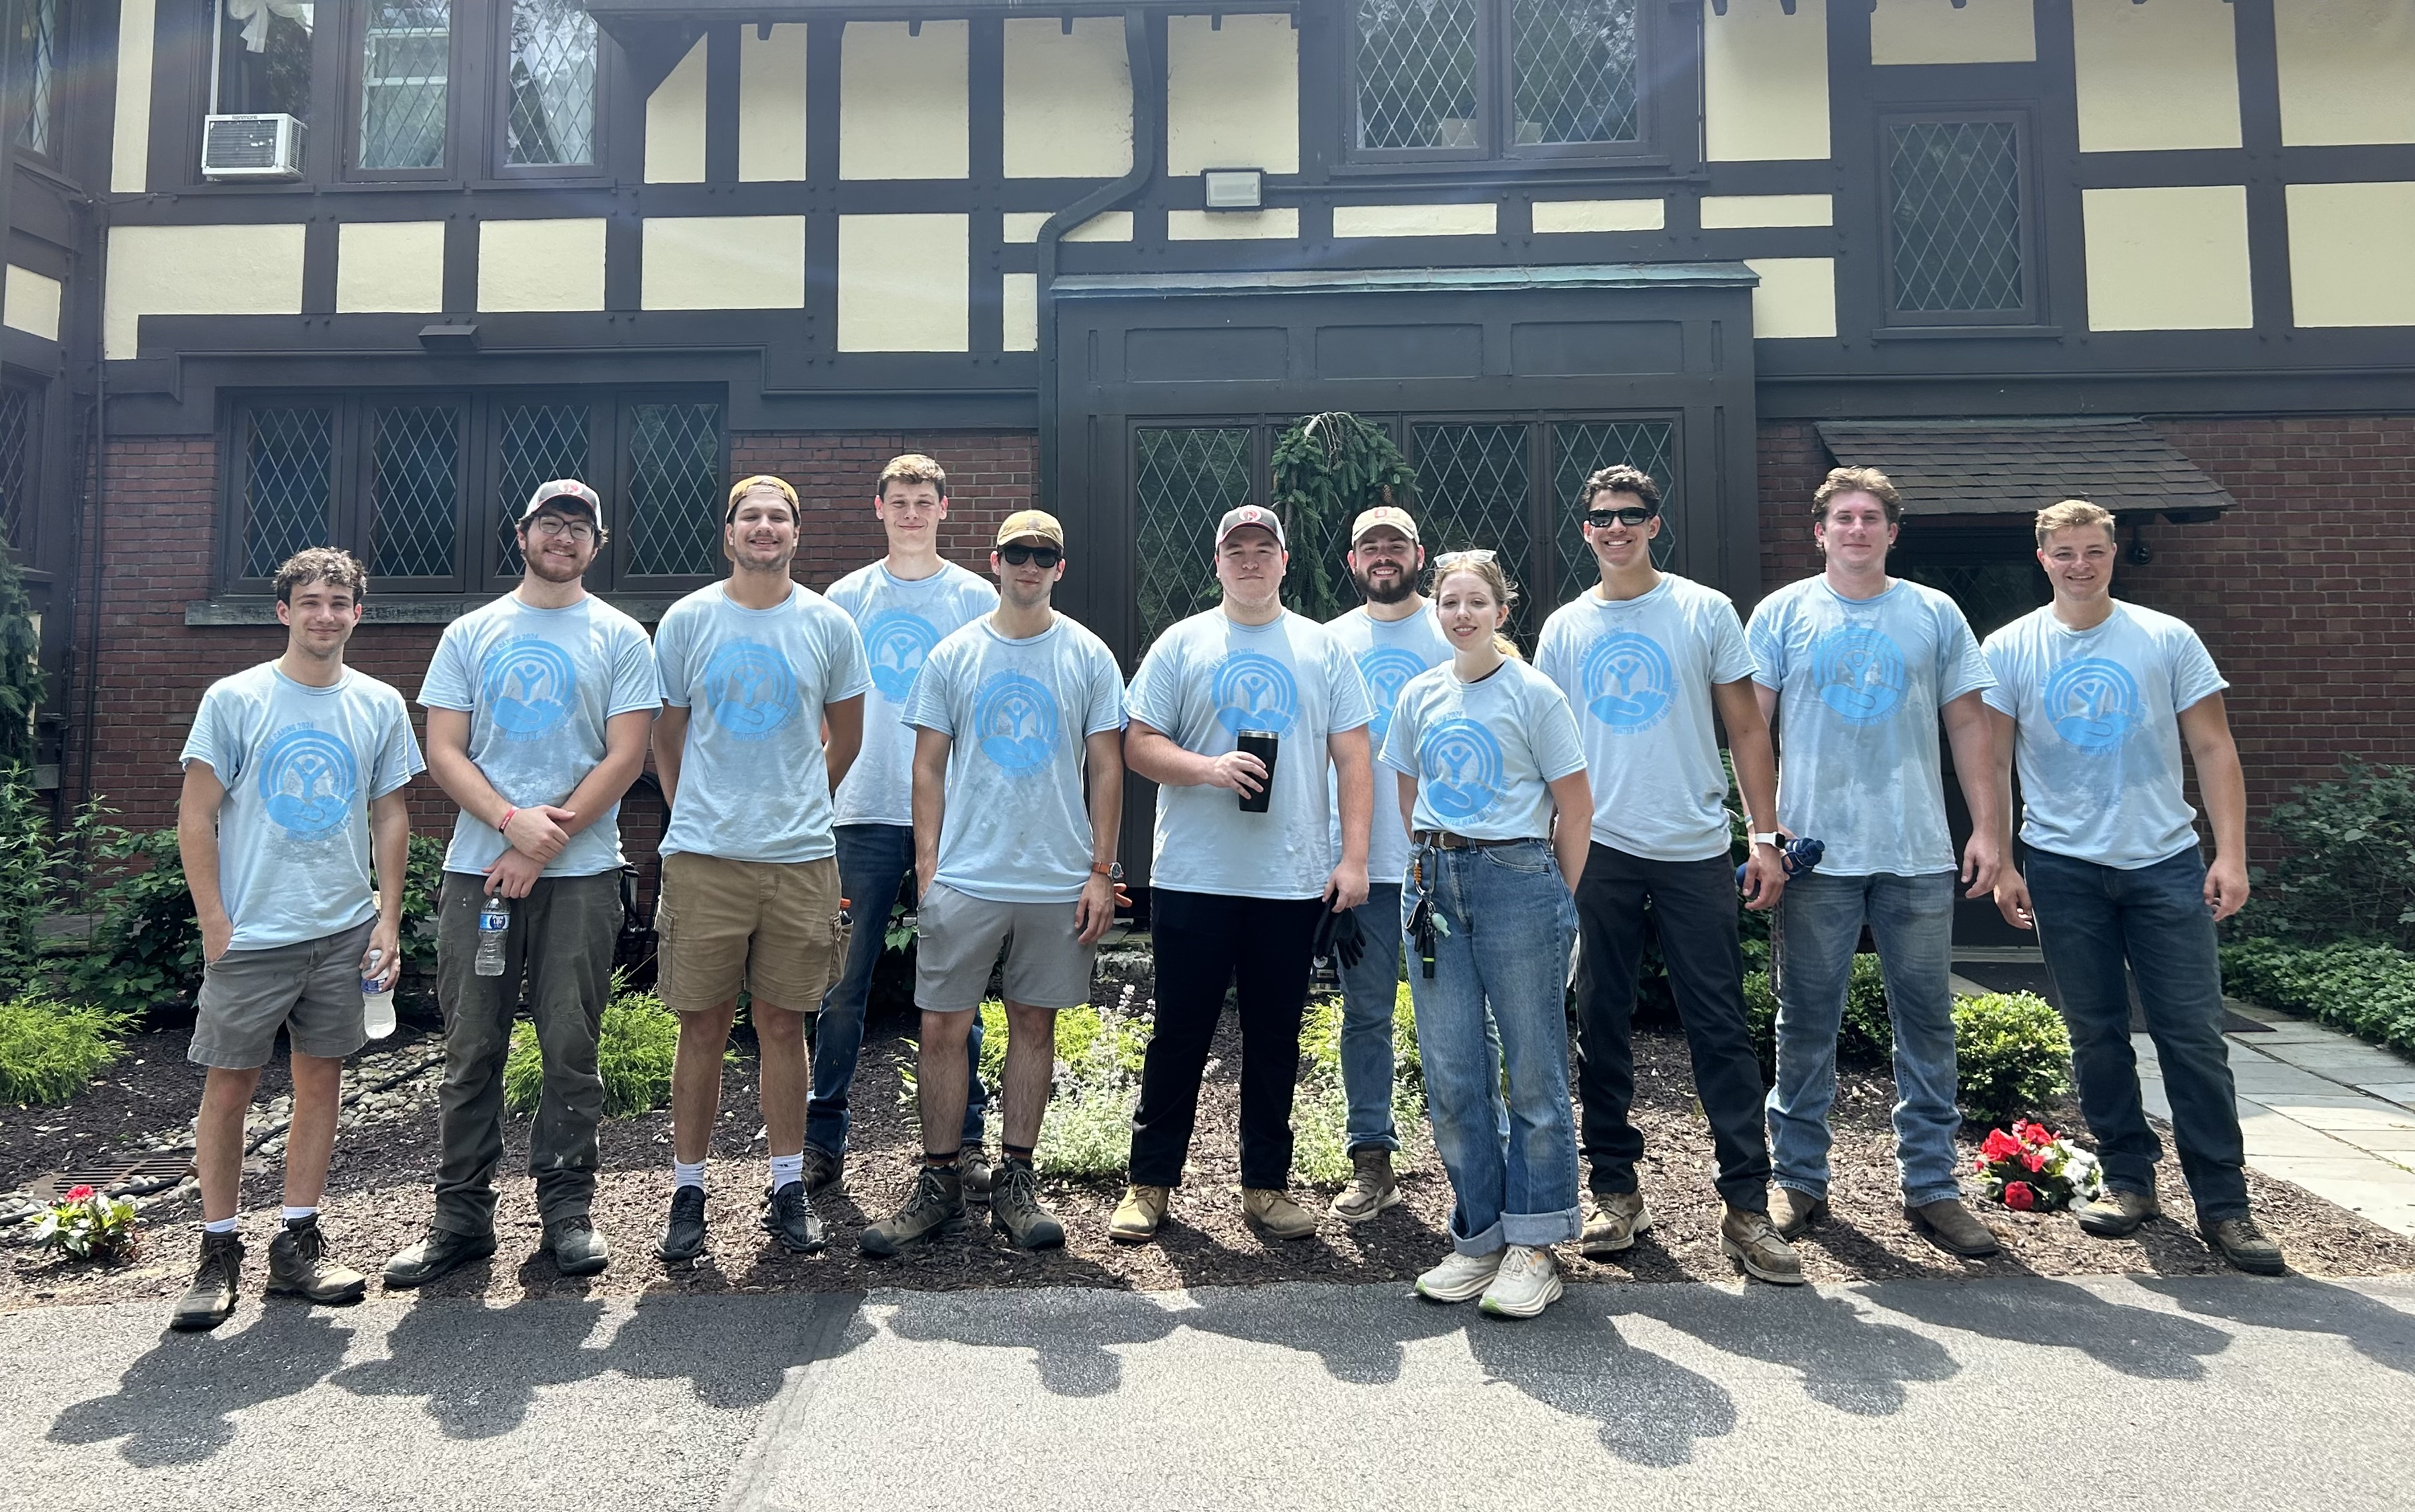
(770, 927)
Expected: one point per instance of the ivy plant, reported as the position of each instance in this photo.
(1327, 469)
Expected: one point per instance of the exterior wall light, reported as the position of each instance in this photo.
(1233, 189)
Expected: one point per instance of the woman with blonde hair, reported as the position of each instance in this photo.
(1489, 760)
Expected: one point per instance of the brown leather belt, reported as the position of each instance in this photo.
(1445, 840)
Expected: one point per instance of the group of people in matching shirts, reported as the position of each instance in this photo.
(1397, 790)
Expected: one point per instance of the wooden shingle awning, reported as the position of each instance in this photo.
(2019, 466)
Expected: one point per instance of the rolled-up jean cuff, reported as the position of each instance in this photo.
(1537, 1231)
(1487, 1243)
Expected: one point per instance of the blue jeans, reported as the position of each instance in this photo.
(873, 858)
(1819, 922)
(2099, 926)
(1370, 991)
(1505, 924)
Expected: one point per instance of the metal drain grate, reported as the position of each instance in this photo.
(140, 1174)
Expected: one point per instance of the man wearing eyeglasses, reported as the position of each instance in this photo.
(538, 708)
(905, 605)
(1010, 715)
(1648, 660)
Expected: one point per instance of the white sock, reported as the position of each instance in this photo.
(689, 1173)
(290, 1213)
(788, 1168)
(221, 1225)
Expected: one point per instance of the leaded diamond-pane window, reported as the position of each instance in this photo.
(1582, 448)
(1497, 78)
(674, 485)
(33, 56)
(1184, 480)
(406, 61)
(1416, 73)
(1474, 490)
(289, 484)
(21, 423)
(552, 84)
(1573, 72)
(1954, 211)
(415, 492)
(540, 442)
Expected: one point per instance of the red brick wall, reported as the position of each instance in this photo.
(991, 475)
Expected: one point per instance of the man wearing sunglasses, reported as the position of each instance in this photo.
(905, 605)
(1649, 660)
(538, 708)
(1010, 715)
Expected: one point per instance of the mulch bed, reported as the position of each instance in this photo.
(379, 1197)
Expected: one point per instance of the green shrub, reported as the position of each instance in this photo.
(634, 1055)
(2365, 987)
(50, 1050)
(2347, 867)
(146, 947)
(1087, 1129)
(37, 872)
(422, 880)
(2012, 1055)
(1077, 1032)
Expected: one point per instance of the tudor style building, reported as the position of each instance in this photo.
(1094, 256)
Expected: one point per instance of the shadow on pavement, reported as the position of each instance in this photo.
(175, 1405)
(1848, 1360)
(2299, 1304)
(2136, 1341)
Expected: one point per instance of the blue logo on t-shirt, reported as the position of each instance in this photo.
(1015, 720)
(1461, 763)
(529, 687)
(1629, 684)
(750, 689)
(309, 781)
(1254, 691)
(2093, 703)
(896, 643)
(1387, 669)
(1859, 673)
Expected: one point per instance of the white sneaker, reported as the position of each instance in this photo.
(1528, 1282)
(1459, 1278)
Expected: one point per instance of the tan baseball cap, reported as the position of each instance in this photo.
(1392, 515)
(569, 489)
(1265, 519)
(1031, 525)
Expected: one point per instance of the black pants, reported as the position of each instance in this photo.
(1204, 942)
(1694, 910)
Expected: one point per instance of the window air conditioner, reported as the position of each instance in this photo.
(251, 147)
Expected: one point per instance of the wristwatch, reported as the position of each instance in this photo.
(1772, 839)
(1112, 870)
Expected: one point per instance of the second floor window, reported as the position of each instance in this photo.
(1958, 232)
(1479, 79)
(33, 56)
(406, 56)
(551, 85)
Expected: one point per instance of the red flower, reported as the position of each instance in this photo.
(2019, 1196)
(1980, 1165)
(1998, 1145)
(77, 1194)
(2034, 1133)
(2034, 1159)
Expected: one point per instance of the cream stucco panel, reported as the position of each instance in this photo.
(1019, 304)
(2348, 70)
(1232, 97)
(197, 270)
(1554, 216)
(2168, 260)
(771, 105)
(390, 267)
(1765, 81)
(541, 264)
(1068, 111)
(902, 109)
(34, 300)
(1413, 219)
(722, 262)
(130, 145)
(904, 282)
(1281, 225)
(1939, 31)
(1725, 212)
(675, 122)
(2351, 254)
(1796, 297)
(2155, 77)
(1113, 226)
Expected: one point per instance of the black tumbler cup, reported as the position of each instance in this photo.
(1261, 745)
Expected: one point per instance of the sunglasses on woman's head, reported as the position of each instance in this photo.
(1463, 558)
(1632, 514)
(1020, 556)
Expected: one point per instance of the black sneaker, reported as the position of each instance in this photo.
(684, 1236)
(578, 1248)
(442, 1251)
(1015, 1209)
(937, 1206)
(211, 1300)
(298, 1266)
(789, 1217)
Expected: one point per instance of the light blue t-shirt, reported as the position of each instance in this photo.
(752, 783)
(1484, 753)
(1203, 682)
(1859, 685)
(901, 621)
(1388, 654)
(301, 767)
(1638, 674)
(538, 685)
(1017, 712)
(2096, 714)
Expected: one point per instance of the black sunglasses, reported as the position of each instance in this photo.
(1019, 555)
(1632, 514)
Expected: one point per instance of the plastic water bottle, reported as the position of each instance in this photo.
(494, 923)
(376, 1003)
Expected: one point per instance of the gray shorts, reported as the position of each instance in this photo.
(961, 935)
(311, 987)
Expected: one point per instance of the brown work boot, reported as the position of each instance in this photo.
(2117, 1213)
(1953, 1228)
(211, 1300)
(2245, 1244)
(298, 1266)
(1371, 1187)
(1138, 1215)
(1615, 1219)
(1792, 1213)
(1276, 1214)
(1750, 1240)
